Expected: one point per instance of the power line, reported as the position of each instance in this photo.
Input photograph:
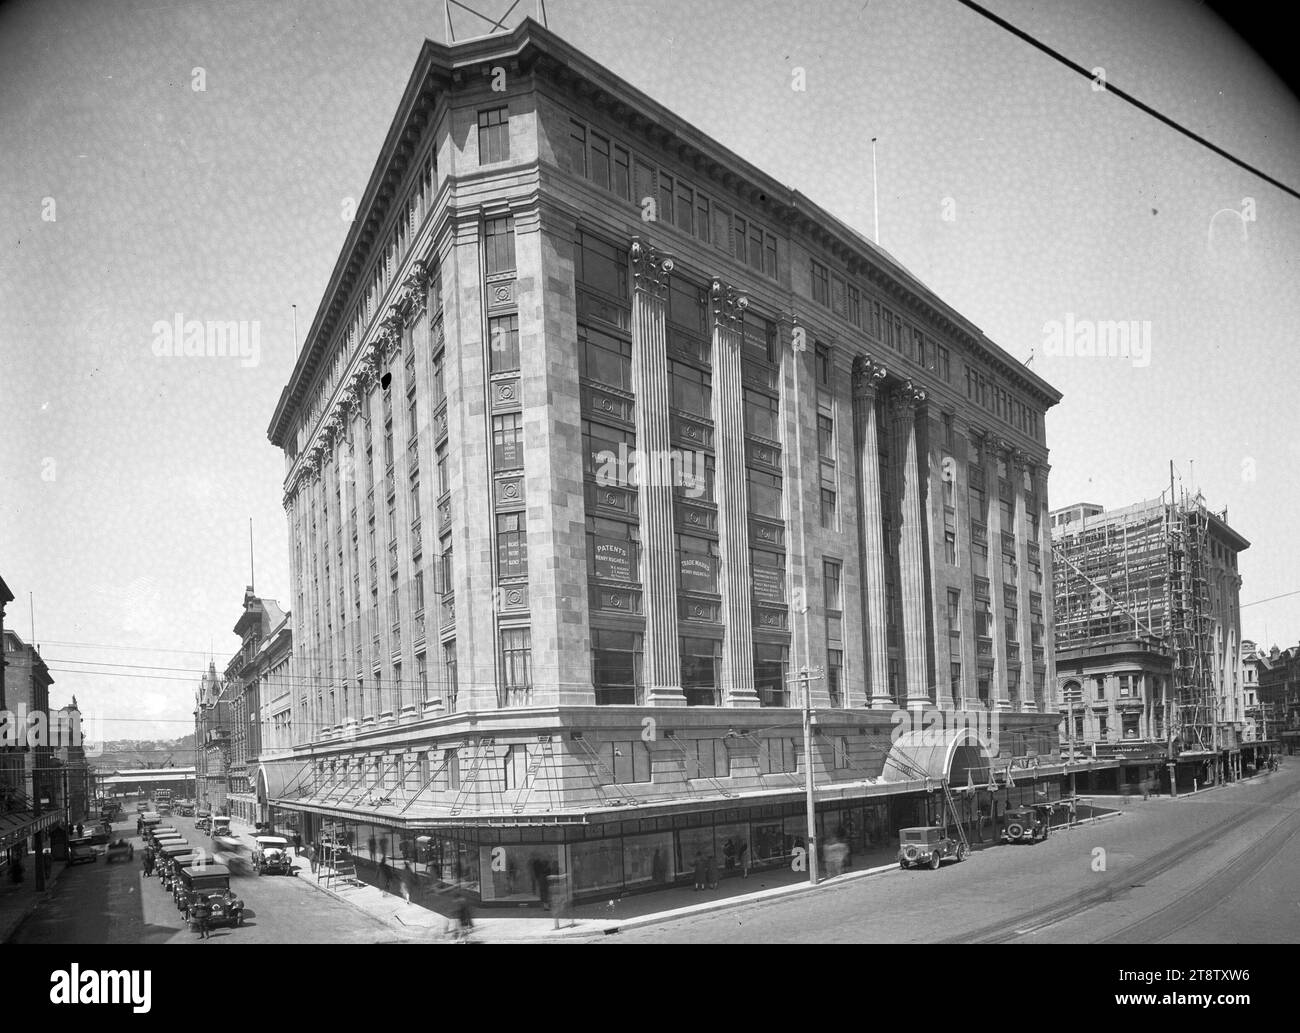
(1284, 595)
(1127, 97)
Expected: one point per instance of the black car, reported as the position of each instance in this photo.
(1026, 824)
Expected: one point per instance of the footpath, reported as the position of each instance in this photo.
(432, 918)
(19, 900)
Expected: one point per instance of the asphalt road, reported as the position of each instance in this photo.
(1219, 867)
(115, 903)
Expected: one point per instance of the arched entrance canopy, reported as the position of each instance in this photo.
(959, 755)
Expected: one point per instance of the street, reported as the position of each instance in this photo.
(1218, 867)
(115, 903)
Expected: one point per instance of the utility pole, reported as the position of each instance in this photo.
(805, 678)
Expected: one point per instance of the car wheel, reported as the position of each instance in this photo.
(934, 861)
(962, 853)
(902, 865)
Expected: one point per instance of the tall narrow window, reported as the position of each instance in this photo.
(512, 544)
(503, 333)
(499, 245)
(493, 135)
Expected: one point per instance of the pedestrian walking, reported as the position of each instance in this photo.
(385, 875)
(464, 917)
(712, 872)
(371, 844)
(312, 859)
(542, 882)
(408, 877)
(297, 844)
(700, 871)
(742, 852)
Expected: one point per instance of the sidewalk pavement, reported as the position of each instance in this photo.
(19, 901)
(435, 919)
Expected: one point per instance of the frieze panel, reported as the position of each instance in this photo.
(505, 394)
(607, 404)
(766, 532)
(770, 618)
(502, 294)
(616, 600)
(611, 499)
(692, 433)
(699, 611)
(761, 453)
(510, 491)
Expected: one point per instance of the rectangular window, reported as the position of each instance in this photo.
(599, 170)
(740, 239)
(449, 676)
(493, 136)
(823, 356)
(697, 564)
(821, 291)
(828, 501)
(601, 267)
(503, 333)
(508, 441)
(834, 670)
(832, 586)
(690, 389)
(516, 659)
(826, 437)
(622, 183)
(854, 313)
(616, 664)
(666, 198)
(444, 485)
(762, 415)
(630, 761)
(702, 217)
(769, 257)
(512, 544)
(604, 358)
(756, 247)
(950, 545)
(701, 675)
(578, 149)
(764, 493)
(499, 245)
(685, 208)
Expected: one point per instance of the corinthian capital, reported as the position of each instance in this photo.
(905, 399)
(729, 306)
(867, 376)
(651, 268)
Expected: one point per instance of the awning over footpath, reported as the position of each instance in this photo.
(956, 754)
(16, 826)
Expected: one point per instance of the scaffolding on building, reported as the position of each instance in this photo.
(1143, 573)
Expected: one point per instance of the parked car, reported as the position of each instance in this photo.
(196, 880)
(271, 856)
(928, 845)
(203, 821)
(1027, 824)
(80, 850)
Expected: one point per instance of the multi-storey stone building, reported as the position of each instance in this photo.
(212, 737)
(601, 435)
(1148, 634)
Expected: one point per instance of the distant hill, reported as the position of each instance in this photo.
(146, 753)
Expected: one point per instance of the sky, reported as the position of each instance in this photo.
(196, 158)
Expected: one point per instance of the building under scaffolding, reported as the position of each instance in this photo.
(1164, 574)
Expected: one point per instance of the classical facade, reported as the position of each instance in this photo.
(599, 438)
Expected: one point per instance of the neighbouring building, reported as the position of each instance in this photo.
(213, 724)
(1279, 694)
(70, 757)
(1148, 636)
(258, 626)
(599, 437)
(31, 789)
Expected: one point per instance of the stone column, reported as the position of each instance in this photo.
(867, 376)
(904, 402)
(998, 690)
(1049, 593)
(663, 665)
(1018, 468)
(728, 306)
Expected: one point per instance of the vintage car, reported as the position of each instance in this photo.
(185, 810)
(203, 820)
(928, 845)
(82, 849)
(1027, 824)
(119, 851)
(271, 856)
(219, 826)
(140, 807)
(209, 882)
(162, 835)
